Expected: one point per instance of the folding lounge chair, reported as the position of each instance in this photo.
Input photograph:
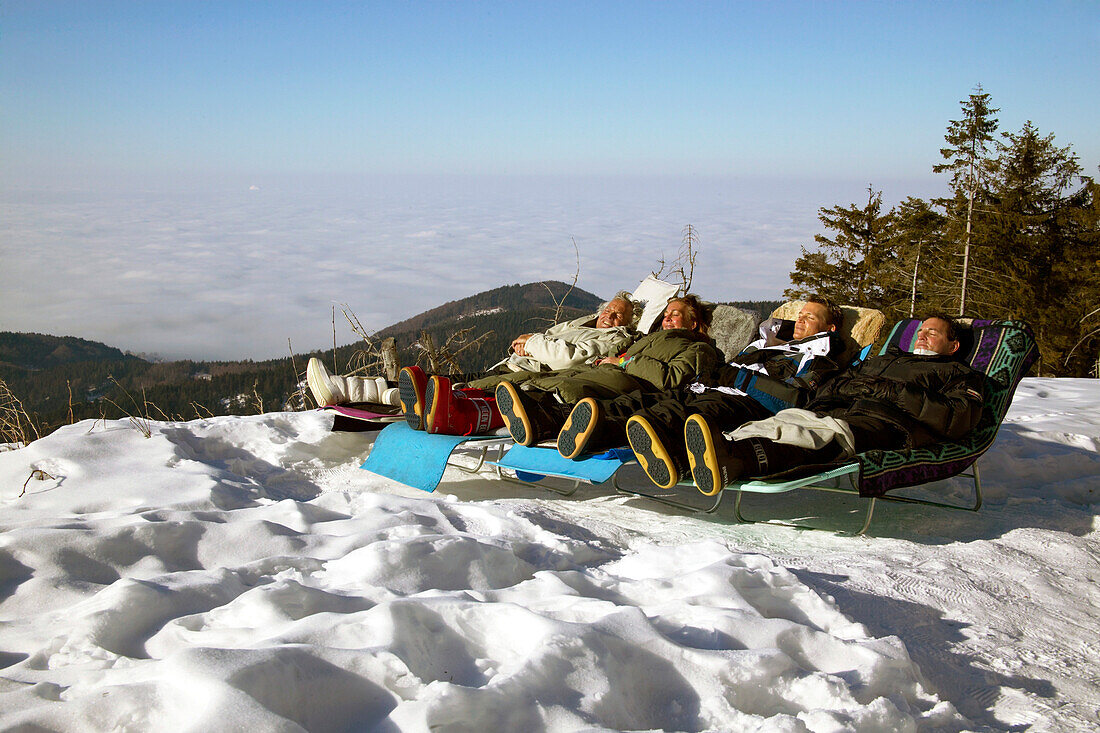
(861, 329)
(1003, 351)
(534, 464)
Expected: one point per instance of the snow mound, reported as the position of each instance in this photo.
(244, 573)
(188, 581)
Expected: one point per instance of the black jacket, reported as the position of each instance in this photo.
(791, 373)
(928, 398)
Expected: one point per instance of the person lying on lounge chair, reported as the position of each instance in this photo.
(535, 405)
(767, 376)
(893, 401)
(562, 345)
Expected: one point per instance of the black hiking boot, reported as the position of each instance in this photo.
(437, 404)
(411, 385)
(660, 464)
(715, 462)
(584, 430)
(531, 417)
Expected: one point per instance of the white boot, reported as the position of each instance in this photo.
(326, 389)
(330, 389)
(364, 389)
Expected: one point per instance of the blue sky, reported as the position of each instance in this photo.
(787, 88)
(175, 166)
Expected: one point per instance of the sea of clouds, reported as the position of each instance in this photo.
(233, 270)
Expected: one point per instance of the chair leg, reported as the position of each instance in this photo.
(974, 474)
(567, 491)
(475, 469)
(796, 525)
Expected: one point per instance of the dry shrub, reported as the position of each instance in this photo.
(16, 426)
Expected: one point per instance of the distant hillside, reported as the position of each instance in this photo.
(530, 299)
(59, 376)
(502, 313)
(36, 351)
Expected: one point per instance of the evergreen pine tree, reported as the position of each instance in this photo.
(969, 141)
(1042, 245)
(845, 267)
(917, 283)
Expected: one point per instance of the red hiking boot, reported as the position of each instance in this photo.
(459, 412)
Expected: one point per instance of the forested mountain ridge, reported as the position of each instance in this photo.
(40, 351)
(508, 298)
(495, 316)
(63, 378)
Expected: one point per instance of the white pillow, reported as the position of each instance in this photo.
(655, 294)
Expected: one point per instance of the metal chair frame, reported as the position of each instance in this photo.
(809, 483)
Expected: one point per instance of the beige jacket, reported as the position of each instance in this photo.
(569, 344)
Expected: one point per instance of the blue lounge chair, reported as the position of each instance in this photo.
(418, 459)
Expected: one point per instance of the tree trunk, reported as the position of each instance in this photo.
(913, 292)
(966, 248)
(391, 362)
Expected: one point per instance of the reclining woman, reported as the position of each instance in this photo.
(535, 406)
(561, 346)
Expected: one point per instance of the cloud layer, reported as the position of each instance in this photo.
(233, 272)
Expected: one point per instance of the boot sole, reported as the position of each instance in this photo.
(515, 418)
(651, 453)
(412, 401)
(702, 456)
(578, 428)
(317, 379)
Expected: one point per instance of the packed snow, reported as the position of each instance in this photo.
(244, 573)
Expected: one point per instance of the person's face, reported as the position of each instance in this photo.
(810, 320)
(615, 313)
(932, 335)
(677, 315)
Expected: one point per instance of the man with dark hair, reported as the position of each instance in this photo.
(889, 402)
(768, 375)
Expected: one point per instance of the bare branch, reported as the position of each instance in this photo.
(40, 475)
(683, 267)
(335, 368)
(300, 391)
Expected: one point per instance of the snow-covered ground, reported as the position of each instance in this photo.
(244, 574)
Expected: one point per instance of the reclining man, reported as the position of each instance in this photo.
(464, 404)
(768, 375)
(561, 346)
(889, 402)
